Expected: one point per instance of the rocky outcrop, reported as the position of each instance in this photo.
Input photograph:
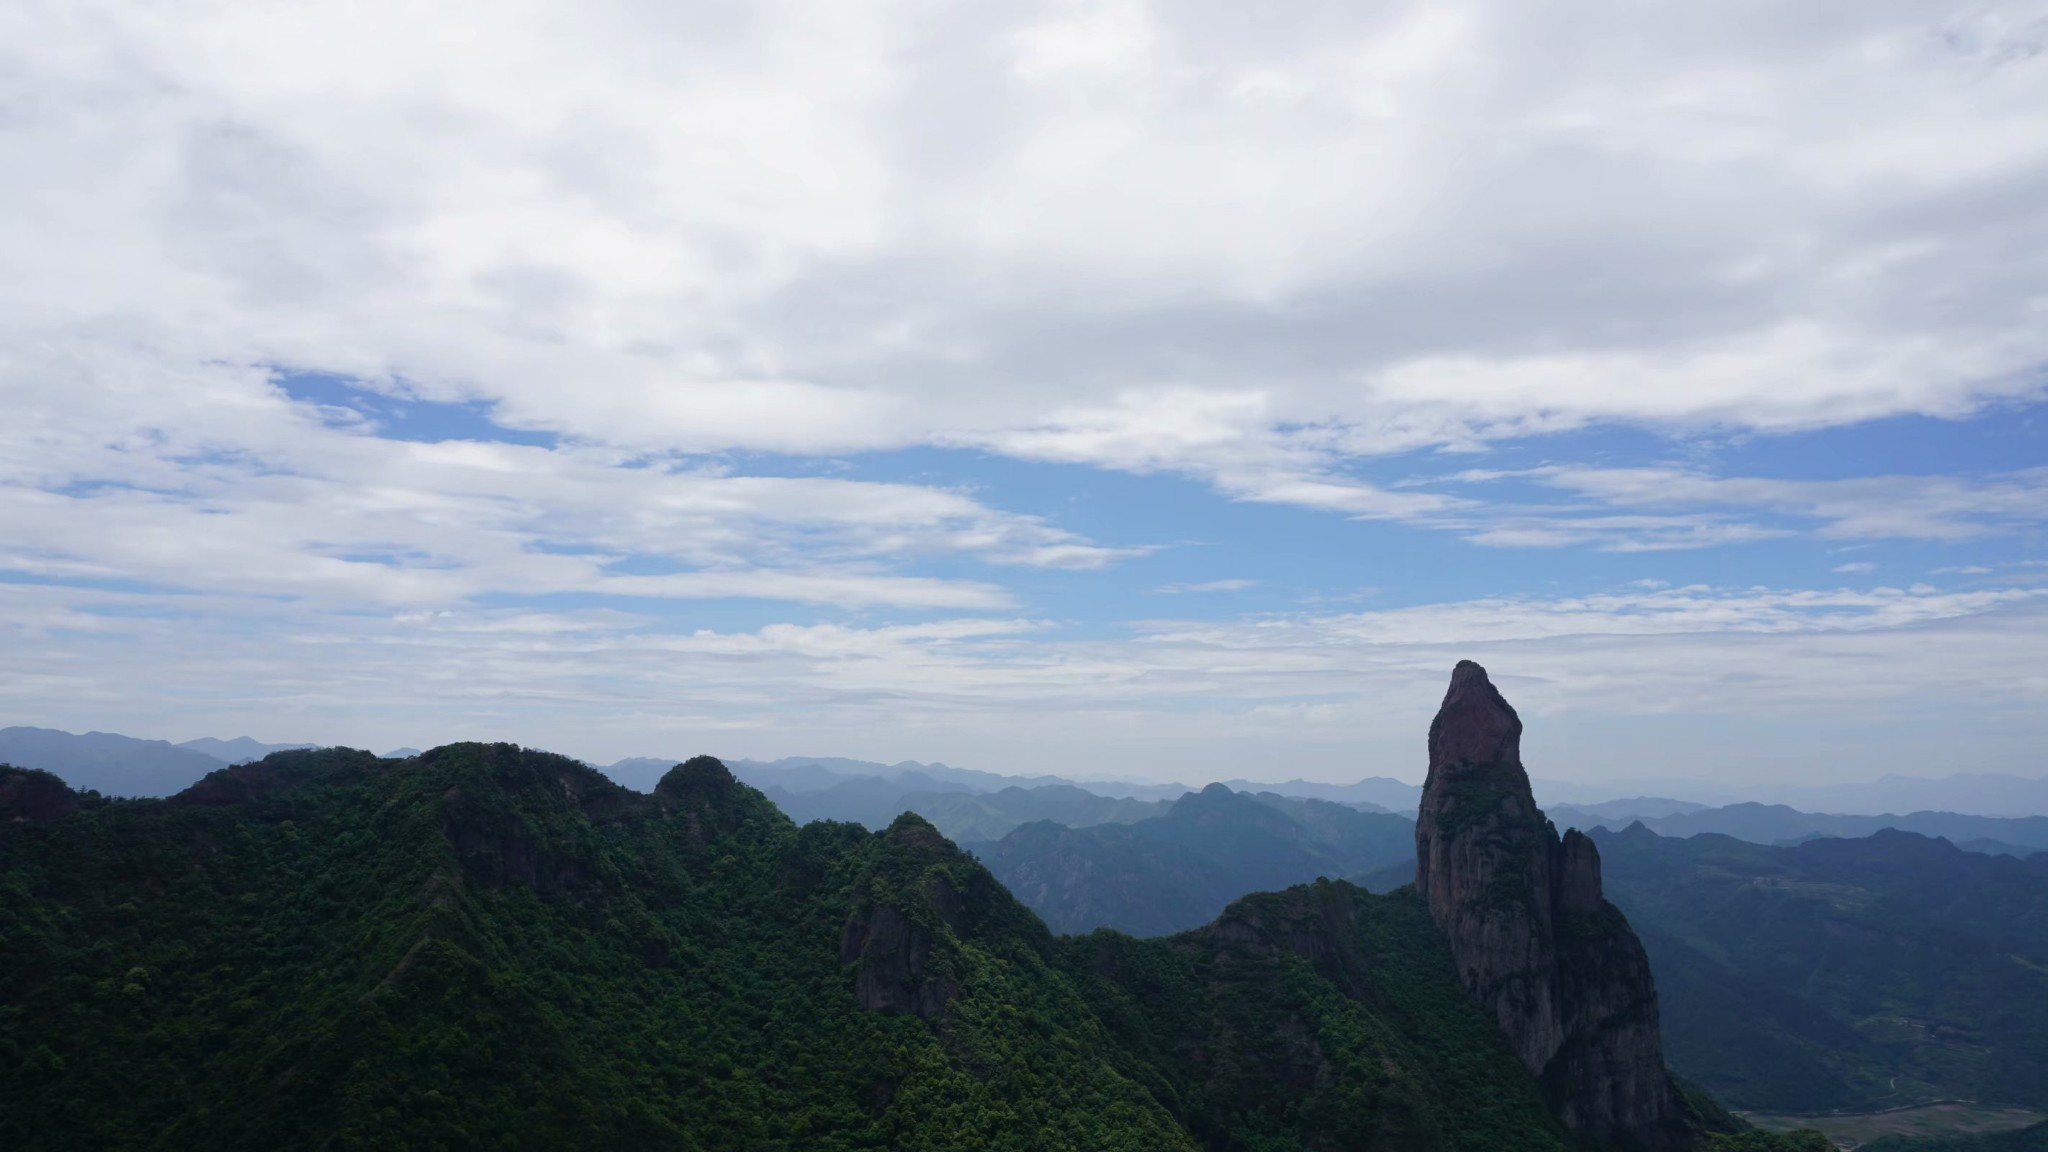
(891, 956)
(1535, 940)
(894, 938)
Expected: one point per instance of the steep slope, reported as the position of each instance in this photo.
(1839, 974)
(1324, 1005)
(1534, 939)
(1179, 870)
(491, 947)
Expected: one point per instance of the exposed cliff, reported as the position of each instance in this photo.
(1534, 938)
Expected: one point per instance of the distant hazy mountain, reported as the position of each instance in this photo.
(1976, 794)
(866, 800)
(240, 750)
(976, 816)
(106, 762)
(1632, 809)
(1179, 869)
(818, 773)
(1972, 794)
(1383, 792)
(811, 773)
(1842, 973)
(954, 808)
(401, 754)
(796, 774)
(1778, 824)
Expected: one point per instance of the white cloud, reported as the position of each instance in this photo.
(1854, 566)
(1325, 691)
(1154, 238)
(1206, 586)
(1677, 508)
(1131, 235)
(204, 486)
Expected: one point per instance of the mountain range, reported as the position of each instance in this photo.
(106, 762)
(126, 766)
(1843, 973)
(490, 947)
(1178, 869)
(1778, 824)
(1970, 793)
(1840, 973)
(486, 945)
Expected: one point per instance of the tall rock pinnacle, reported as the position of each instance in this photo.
(1535, 940)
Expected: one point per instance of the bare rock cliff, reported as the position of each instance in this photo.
(1535, 940)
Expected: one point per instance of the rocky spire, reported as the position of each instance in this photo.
(1535, 940)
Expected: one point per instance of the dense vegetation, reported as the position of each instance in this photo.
(491, 947)
(1179, 870)
(1840, 974)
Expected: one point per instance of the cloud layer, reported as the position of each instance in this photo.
(680, 257)
(1332, 694)
(1126, 234)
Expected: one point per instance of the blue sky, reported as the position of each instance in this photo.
(1170, 394)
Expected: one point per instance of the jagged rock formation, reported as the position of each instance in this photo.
(1535, 940)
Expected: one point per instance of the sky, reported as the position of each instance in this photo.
(1158, 391)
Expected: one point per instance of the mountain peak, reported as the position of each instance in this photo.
(1535, 940)
(1475, 724)
(698, 774)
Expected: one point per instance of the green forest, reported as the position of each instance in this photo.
(489, 947)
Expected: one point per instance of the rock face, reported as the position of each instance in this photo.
(893, 943)
(1535, 940)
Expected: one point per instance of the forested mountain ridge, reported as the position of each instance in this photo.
(492, 947)
(1843, 974)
